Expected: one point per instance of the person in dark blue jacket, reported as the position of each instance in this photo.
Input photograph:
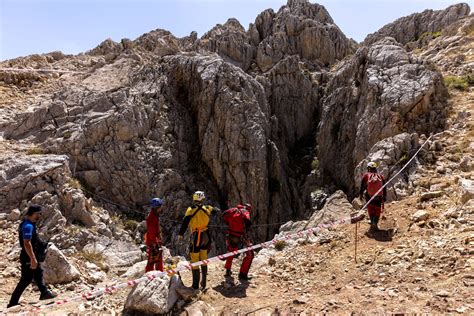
(33, 251)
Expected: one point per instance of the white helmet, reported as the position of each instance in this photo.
(372, 165)
(199, 196)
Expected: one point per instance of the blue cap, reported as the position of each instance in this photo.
(156, 202)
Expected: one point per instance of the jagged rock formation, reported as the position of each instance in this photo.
(452, 50)
(378, 93)
(283, 115)
(411, 28)
(166, 116)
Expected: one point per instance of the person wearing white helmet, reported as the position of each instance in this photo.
(371, 185)
(197, 219)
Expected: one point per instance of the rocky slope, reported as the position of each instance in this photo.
(280, 115)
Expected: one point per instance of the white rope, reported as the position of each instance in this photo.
(396, 175)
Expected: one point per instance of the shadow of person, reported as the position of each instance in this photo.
(228, 288)
(383, 235)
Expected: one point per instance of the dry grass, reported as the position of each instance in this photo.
(280, 245)
(35, 151)
(74, 183)
(96, 257)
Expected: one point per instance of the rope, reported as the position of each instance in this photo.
(171, 220)
(155, 274)
(42, 70)
(396, 175)
(380, 190)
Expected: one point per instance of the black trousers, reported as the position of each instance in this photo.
(27, 276)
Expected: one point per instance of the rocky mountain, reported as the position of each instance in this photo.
(282, 115)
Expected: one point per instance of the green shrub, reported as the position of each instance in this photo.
(403, 159)
(280, 245)
(35, 151)
(430, 34)
(453, 82)
(130, 224)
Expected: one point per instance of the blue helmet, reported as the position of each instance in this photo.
(156, 202)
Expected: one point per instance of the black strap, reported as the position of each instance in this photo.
(200, 208)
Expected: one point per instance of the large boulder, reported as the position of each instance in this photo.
(135, 271)
(77, 207)
(23, 176)
(337, 207)
(57, 268)
(391, 154)
(116, 253)
(467, 190)
(156, 296)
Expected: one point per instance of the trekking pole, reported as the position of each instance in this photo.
(355, 244)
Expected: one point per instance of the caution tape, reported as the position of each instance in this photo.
(155, 274)
(42, 70)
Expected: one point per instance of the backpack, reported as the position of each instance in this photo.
(234, 217)
(374, 183)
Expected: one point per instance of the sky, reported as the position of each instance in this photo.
(74, 26)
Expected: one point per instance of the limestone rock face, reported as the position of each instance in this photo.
(380, 92)
(270, 116)
(411, 28)
(23, 176)
(299, 28)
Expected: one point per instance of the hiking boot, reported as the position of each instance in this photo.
(244, 277)
(228, 273)
(373, 228)
(196, 277)
(47, 295)
(204, 277)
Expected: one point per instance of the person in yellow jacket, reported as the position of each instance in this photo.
(197, 219)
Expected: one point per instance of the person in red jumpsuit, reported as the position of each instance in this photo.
(371, 185)
(238, 220)
(153, 238)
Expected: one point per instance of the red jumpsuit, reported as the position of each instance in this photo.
(375, 207)
(153, 242)
(238, 219)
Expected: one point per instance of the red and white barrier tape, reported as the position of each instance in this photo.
(42, 70)
(153, 275)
